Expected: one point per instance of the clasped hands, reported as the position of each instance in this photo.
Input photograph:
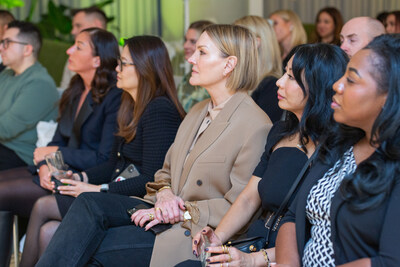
(168, 209)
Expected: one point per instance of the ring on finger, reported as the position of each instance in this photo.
(151, 216)
(230, 257)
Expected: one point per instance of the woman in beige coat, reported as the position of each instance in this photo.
(210, 162)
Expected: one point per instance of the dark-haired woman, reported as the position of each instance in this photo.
(148, 119)
(347, 212)
(329, 23)
(87, 123)
(392, 24)
(305, 92)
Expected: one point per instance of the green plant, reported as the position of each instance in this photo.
(55, 24)
(11, 3)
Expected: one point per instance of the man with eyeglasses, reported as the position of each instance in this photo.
(27, 94)
(5, 18)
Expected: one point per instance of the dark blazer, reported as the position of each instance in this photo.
(369, 234)
(86, 141)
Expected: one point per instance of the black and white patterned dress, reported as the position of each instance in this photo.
(319, 249)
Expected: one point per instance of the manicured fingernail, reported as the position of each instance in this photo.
(207, 260)
(203, 231)
(162, 221)
(206, 249)
(195, 242)
(194, 253)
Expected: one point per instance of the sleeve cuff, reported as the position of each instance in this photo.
(153, 187)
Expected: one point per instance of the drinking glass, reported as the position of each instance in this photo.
(56, 165)
(204, 243)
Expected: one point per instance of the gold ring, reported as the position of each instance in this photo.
(151, 216)
(222, 265)
(230, 257)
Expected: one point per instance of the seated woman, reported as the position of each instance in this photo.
(289, 31)
(392, 24)
(188, 94)
(148, 119)
(329, 23)
(86, 127)
(269, 65)
(347, 211)
(208, 165)
(305, 92)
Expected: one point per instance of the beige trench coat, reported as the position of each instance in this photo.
(216, 171)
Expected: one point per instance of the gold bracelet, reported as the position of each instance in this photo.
(164, 187)
(266, 258)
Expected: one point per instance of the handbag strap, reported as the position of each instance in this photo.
(271, 221)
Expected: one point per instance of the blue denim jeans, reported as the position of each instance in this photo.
(97, 231)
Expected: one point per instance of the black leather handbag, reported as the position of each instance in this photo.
(254, 244)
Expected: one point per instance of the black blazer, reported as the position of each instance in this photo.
(87, 140)
(370, 234)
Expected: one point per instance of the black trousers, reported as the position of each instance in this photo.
(9, 159)
(97, 231)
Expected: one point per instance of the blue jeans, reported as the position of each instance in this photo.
(97, 231)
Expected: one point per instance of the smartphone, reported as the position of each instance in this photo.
(204, 243)
(57, 183)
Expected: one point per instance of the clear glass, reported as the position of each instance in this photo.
(56, 165)
(204, 243)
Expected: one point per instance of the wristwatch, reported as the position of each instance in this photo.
(104, 188)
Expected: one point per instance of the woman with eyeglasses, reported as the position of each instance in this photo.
(148, 119)
(86, 126)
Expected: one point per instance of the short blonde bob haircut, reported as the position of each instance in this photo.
(233, 40)
(299, 35)
(270, 62)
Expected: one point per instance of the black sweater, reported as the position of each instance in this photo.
(155, 133)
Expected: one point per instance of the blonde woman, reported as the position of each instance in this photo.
(289, 30)
(269, 65)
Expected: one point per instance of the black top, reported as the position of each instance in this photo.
(266, 97)
(155, 133)
(278, 170)
(2, 67)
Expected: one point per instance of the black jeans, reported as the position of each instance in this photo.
(97, 231)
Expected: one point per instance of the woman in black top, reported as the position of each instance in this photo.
(347, 212)
(86, 126)
(305, 91)
(148, 119)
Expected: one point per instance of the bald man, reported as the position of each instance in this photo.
(358, 32)
(83, 18)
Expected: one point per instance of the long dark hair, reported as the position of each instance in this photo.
(337, 20)
(315, 68)
(154, 70)
(374, 178)
(105, 46)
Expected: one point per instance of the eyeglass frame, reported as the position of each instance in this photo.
(6, 43)
(121, 64)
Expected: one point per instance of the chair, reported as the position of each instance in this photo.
(15, 241)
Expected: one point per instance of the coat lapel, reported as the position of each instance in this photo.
(84, 113)
(210, 135)
(183, 147)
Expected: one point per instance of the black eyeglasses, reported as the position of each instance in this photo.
(121, 64)
(6, 43)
